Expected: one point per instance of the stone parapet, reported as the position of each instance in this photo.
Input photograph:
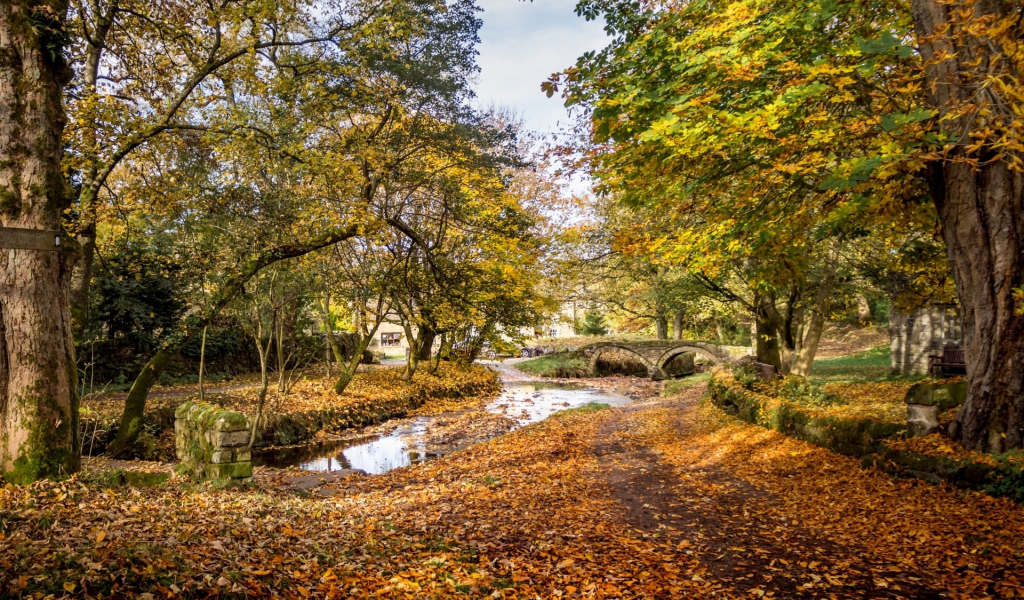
(212, 443)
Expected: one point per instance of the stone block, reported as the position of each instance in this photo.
(922, 420)
(235, 470)
(231, 455)
(941, 395)
(228, 439)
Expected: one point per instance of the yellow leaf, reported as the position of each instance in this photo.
(99, 538)
(69, 587)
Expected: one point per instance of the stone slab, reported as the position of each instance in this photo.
(315, 480)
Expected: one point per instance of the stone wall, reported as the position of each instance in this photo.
(212, 443)
(913, 337)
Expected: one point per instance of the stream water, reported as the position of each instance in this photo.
(524, 401)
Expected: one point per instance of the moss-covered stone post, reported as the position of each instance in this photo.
(212, 443)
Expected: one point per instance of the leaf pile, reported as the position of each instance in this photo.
(728, 510)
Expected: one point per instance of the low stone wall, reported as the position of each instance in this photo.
(867, 439)
(212, 443)
(853, 437)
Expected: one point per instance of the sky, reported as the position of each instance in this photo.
(521, 45)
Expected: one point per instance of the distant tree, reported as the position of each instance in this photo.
(593, 324)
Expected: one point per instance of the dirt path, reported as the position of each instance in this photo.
(721, 516)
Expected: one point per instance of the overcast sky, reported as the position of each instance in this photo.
(522, 44)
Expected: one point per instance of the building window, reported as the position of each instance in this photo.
(553, 332)
(390, 339)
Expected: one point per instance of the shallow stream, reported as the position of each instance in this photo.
(524, 401)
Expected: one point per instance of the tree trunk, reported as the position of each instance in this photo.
(661, 327)
(863, 310)
(135, 404)
(339, 356)
(282, 362)
(426, 343)
(414, 352)
(348, 370)
(264, 380)
(38, 374)
(202, 365)
(677, 326)
(435, 361)
(767, 334)
(809, 345)
(981, 208)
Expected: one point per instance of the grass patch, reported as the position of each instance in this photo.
(870, 365)
(676, 386)
(587, 408)
(555, 365)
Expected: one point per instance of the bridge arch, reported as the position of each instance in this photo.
(616, 347)
(667, 356)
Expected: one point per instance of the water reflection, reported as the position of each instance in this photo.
(525, 402)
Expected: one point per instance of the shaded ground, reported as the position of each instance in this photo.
(668, 498)
(712, 511)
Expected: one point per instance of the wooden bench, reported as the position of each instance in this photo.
(951, 362)
(765, 371)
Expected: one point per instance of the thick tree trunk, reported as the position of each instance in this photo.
(38, 374)
(661, 327)
(981, 207)
(983, 226)
(426, 343)
(677, 326)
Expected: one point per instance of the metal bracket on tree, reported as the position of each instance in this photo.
(29, 239)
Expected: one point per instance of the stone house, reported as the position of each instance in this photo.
(914, 337)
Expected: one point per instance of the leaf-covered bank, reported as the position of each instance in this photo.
(715, 508)
(312, 407)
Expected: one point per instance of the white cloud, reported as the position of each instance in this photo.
(522, 44)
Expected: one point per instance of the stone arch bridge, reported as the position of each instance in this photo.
(655, 355)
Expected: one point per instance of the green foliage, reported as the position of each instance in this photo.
(594, 323)
(136, 295)
(1012, 484)
(800, 391)
(589, 407)
(674, 387)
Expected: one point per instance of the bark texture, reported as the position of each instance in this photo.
(982, 212)
(38, 375)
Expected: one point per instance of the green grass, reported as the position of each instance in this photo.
(589, 407)
(676, 386)
(555, 365)
(870, 365)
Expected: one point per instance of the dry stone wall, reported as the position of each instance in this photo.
(212, 443)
